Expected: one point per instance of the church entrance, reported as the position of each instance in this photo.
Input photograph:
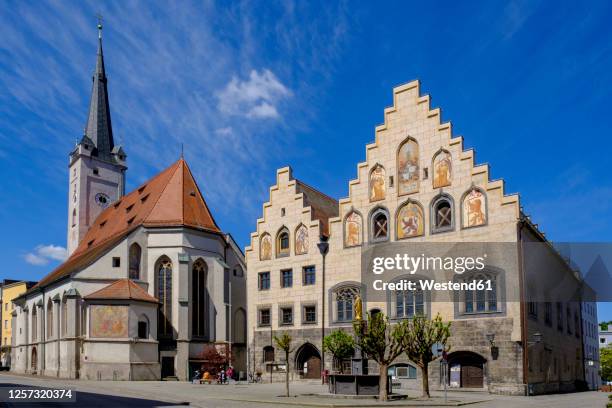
(308, 362)
(466, 369)
(167, 367)
(34, 360)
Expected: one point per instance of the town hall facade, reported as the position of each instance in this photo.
(417, 186)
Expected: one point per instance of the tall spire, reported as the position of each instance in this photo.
(99, 129)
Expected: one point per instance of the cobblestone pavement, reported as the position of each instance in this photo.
(303, 394)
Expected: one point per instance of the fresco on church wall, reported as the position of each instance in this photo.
(352, 229)
(265, 248)
(301, 240)
(442, 170)
(377, 183)
(408, 168)
(474, 209)
(410, 221)
(109, 321)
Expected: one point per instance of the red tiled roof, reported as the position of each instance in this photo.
(122, 289)
(323, 206)
(171, 198)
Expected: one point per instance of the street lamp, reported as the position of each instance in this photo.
(494, 349)
(323, 246)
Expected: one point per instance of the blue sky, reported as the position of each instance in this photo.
(252, 86)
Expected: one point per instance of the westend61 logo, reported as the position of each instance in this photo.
(407, 264)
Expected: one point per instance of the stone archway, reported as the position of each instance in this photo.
(308, 361)
(466, 369)
(34, 362)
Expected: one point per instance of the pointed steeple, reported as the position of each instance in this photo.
(99, 129)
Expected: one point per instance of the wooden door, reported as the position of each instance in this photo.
(472, 376)
(312, 368)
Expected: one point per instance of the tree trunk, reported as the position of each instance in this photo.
(425, 379)
(382, 383)
(287, 373)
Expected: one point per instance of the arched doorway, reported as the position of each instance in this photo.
(34, 360)
(308, 361)
(466, 369)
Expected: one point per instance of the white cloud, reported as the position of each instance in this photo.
(255, 97)
(43, 254)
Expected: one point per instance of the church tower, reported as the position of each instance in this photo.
(97, 166)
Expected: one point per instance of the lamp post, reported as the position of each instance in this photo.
(323, 246)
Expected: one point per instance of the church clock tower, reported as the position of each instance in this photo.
(97, 166)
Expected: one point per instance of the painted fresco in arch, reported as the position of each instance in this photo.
(352, 229)
(408, 168)
(474, 209)
(301, 240)
(442, 169)
(410, 221)
(377, 183)
(109, 321)
(265, 247)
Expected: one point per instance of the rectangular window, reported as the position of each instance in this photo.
(569, 319)
(548, 313)
(264, 280)
(116, 262)
(142, 330)
(308, 275)
(532, 308)
(286, 278)
(264, 317)
(310, 314)
(560, 316)
(6, 324)
(286, 315)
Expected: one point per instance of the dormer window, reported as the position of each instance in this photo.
(96, 172)
(129, 208)
(143, 199)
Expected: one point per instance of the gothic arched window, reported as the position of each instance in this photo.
(34, 323)
(442, 214)
(163, 282)
(64, 316)
(282, 242)
(49, 319)
(74, 217)
(134, 260)
(199, 310)
(344, 300)
(379, 225)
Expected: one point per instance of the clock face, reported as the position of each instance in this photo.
(102, 200)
